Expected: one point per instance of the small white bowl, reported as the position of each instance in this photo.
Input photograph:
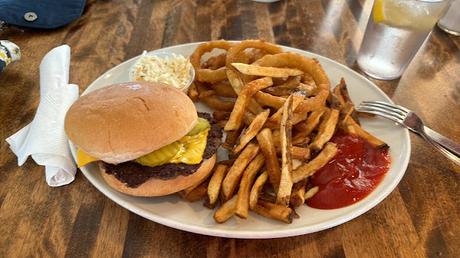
(164, 55)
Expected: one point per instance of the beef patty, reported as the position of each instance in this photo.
(134, 174)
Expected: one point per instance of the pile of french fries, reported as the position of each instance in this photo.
(279, 115)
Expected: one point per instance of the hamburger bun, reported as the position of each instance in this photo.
(124, 121)
(159, 187)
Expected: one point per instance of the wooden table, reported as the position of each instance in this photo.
(421, 218)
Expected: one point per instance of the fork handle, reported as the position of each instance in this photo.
(443, 141)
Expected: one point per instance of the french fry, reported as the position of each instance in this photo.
(237, 84)
(350, 126)
(300, 153)
(226, 211)
(236, 117)
(297, 152)
(276, 118)
(256, 189)
(298, 193)
(248, 118)
(285, 186)
(300, 139)
(308, 169)
(326, 130)
(216, 182)
(278, 91)
(266, 71)
(274, 211)
(311, 192)
(252, 130)
(290, 83)
(193, 92)
(242, 200)
(231, 139)
(233, 176)
(305, 128)
(269, 100)
(265, 140)
(310, 104)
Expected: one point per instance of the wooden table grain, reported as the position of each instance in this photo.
(420, 218)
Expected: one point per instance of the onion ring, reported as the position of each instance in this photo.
(236, 53)
(204, 74)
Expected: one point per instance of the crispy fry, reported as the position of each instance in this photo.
(266, 71)
(216, 182)
(351, 127)
(265, 140)
(242, 202)
(304, 129)
(300, 139)
(298, 193)
(274, 211)
(311, 192)
(285, 186)
(308, 169)
(252, 130)
(291, 83)
(193, 92)
(242, 102)
(326, 130)
(233, 176)
(269, 100)
(237, 84)
(310, 104)
(293, 60)
(231, 138)
(278, 91)
(275, 119)
(248, 118)
(226, 211)
(297, 152)
(300, 153)
(256, 189)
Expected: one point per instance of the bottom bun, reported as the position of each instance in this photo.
(160, 187)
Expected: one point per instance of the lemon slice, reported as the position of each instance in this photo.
(411, 15)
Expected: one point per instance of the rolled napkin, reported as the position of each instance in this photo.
(44, 138)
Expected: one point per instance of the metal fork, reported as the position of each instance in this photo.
(414, 123)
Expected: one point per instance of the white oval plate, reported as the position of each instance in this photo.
(193, 217)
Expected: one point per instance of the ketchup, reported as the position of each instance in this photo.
(351, 175)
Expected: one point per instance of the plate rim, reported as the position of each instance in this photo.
(250, 234)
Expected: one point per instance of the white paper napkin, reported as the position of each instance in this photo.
(44, 138)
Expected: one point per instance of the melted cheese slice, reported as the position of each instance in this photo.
(188, 150)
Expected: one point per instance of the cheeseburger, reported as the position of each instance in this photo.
(147, 138)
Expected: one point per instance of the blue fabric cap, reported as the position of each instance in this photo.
(45, 14)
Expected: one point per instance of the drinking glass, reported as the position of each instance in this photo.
(450, 22)
(394, 33)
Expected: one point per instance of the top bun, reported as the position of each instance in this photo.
(122, 122)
